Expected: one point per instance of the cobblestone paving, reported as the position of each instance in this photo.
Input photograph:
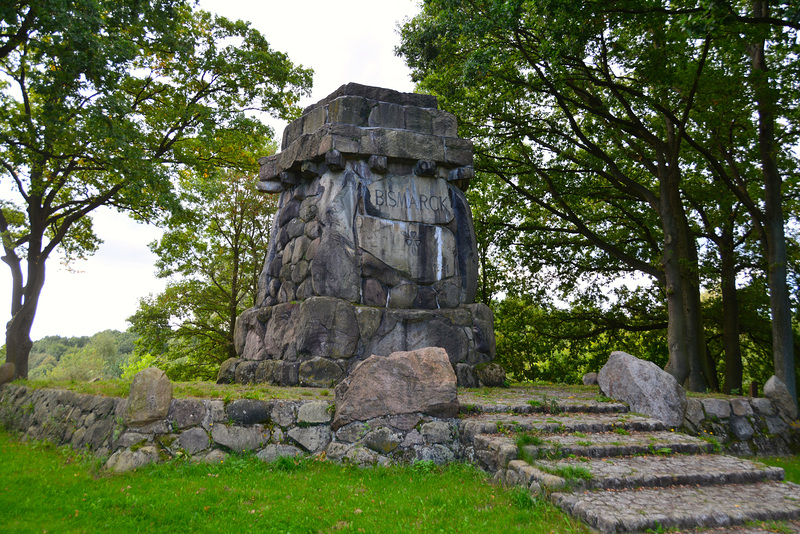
(644, 475)
(682, 507)
(538, 399)
(657, 471)
(609, 444)
(488, 423)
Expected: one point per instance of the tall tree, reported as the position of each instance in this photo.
(593, 113)
(571, 112)
(212, 254)
(104, 102)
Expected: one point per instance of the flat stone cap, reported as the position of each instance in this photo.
(378, 93)
(362, 121)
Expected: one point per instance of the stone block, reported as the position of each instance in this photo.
(314, 412)
(716, 408)
(438, 454)
(6, 373)
(125, 460)
(320, 373)
(227, 371)
(382, 440)
(741, 428)
(313, 439)
(763, 406)
(353, 110)
(444, 124)
(238, 438)
(150, 397)
(194, 440)
(466, 376)
(741, 407)
(694, 412)
(387, 115)
(418, 120)
(249, 411)
(185, 413)
(284, 413)
(246, 372)
(272, 452)
(491, 375)
(437, 432)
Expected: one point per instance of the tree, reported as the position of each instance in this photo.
(105, 102)
(592, 113)
(213, 254)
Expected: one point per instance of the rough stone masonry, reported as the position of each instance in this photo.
(372, 248)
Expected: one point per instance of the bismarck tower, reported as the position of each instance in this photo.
(372, 248)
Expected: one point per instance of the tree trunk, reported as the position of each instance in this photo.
(678, 364)
(687, 358)
(730, 315)
(18, 329)
(782, 342)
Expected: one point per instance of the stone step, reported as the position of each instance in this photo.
(493, 452)
(612, 444)
(681, 507)
(538, 399)
(644, 471)
(551, 424)
(554, 407)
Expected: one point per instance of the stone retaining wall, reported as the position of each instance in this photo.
(209, 430)
(744, 426)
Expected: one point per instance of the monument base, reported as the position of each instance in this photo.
(318, 341)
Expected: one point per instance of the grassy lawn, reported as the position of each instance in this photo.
(790, 464)
(49, 489)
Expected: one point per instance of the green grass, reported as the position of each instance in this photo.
(180, 390)
(568, 472)
(790, 464)
(43, 488)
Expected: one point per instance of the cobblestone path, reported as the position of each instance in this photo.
(622, 472)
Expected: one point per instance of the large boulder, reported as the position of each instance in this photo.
(420, 381)
(150, 397)
(776, 391)
(644, 386)
(6, 373)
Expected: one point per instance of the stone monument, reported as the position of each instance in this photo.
(372, 249)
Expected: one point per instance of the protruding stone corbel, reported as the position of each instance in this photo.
(425, 168)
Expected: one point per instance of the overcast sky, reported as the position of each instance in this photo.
(343, 41)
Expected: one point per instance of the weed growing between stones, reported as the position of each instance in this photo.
(570, 473)
(709, 438)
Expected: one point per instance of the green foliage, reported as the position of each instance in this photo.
(64, 493)
(103, 355)
(213, 254)
(615, 142)
(108, 102)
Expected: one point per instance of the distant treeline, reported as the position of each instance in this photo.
(103, 355)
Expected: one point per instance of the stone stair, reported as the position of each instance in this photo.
(621, 472)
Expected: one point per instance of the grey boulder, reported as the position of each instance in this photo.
(420, 381)
(645, 387)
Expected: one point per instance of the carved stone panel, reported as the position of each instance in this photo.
(424, 252)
